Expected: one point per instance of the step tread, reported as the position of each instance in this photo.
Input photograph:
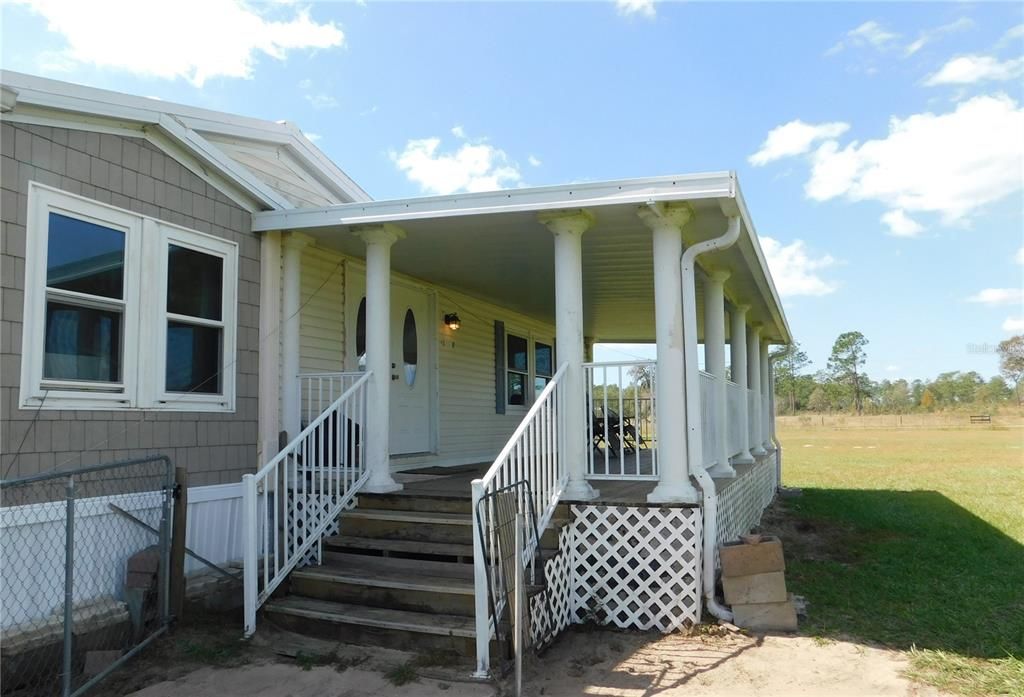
(405, 574)
(343, 613)
(450, 549)
(409, 516)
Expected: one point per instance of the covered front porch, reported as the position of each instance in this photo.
(488, 306)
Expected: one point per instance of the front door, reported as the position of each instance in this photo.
(412, 372)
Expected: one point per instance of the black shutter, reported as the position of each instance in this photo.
(499, 367)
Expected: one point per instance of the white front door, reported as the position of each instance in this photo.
(412, 359)
(412, 373)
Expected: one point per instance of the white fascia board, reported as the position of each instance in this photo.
(776, 302)
(207, 151)
(589, 194)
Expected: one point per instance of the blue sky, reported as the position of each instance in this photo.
(880, 146)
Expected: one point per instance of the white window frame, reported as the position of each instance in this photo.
(144, 323)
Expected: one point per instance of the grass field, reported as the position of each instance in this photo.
(914, 539)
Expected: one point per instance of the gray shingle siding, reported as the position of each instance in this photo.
(132, 174)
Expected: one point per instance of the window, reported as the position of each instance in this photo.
(526, 362)
(124, 311)
(410, 347)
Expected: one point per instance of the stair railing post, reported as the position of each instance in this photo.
(249, 559)
(483, 623)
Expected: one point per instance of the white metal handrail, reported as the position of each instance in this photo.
(709, 418)
(533, 453)
(621, 428)
(320, 390)
(291, 502)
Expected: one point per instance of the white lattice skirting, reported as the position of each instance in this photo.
(742, 502)
(639, 567)
(636, 567)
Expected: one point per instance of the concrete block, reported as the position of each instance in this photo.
(97, 661)
(779, 617)
(756, 588)
(139, 579)
(739, 559)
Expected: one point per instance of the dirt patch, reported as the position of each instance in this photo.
(716, 664)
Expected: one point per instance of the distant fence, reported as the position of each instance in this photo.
(852, 421)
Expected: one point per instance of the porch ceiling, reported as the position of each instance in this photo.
(491, 245)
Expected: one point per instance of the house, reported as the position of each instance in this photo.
(373, 380)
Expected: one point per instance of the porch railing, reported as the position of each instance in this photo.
(534, 454)
(320, 390)
(735, 405)
(621, 429)
(291, 502)
(709, 423)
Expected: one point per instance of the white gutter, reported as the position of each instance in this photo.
(694, 446)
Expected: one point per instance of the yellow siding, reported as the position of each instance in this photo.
(468, 428)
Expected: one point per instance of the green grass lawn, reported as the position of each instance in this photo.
(914, 539)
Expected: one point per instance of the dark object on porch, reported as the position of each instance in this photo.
(607, 431)
(330, 440)
(981, 418)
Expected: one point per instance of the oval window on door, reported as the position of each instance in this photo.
(361, 335)
(410, 347)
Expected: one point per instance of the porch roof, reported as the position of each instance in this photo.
(491, 245)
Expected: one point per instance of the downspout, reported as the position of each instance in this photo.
(694, 446)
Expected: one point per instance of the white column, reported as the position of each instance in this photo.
(291, 301)
(738, 351)
(754, 378)
(269, 346)
(666, 224)
(378, 239)
(714, 363)
(568, 228)
(766, 411)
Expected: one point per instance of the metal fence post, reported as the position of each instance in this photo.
(69, 581)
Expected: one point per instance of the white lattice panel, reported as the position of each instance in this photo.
(636, 567)
(551, 611)
(741, 504)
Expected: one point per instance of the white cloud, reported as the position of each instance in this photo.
(951, 164)
(1019, 257)
(893, 368)
(473, 166)
(930, 35)
(970, 69)
(870, 33)
(459, 132)
(1013, 325)
(794, 271)
(795, 138)
(900, 224)
(534, 161)
(628, 8)
(195, 39)
(312, 137)
(998, 296)
(321, 100)
(1012, 34)
(305, 83)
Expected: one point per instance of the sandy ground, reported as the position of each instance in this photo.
(590, 662)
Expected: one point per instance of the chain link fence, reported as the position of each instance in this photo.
(84, 573)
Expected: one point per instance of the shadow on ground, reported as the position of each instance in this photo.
(904, 569)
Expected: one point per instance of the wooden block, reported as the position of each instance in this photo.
(740, 559)
(779, 617)
(756, 588)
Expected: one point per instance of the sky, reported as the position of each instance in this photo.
(880, 147)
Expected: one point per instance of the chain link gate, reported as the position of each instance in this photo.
(84, 572)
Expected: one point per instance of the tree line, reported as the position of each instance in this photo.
(844, 386)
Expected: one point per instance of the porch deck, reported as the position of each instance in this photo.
(454, 483)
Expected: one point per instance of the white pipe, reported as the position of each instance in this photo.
(693, 427)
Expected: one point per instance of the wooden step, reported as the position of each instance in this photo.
(422, 526)
(355, 624)
(430, 503)
(401, 549)
(399, 584)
